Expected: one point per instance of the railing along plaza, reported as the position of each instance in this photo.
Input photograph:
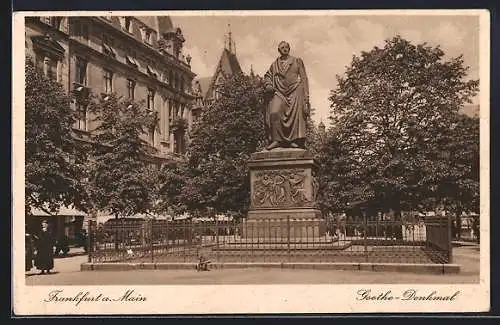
(359, 240)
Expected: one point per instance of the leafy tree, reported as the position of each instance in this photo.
(453, 175)
(54, 164)
(392, 110)
(172, 180)
(120, 173)
(314, 137)
(215, 175)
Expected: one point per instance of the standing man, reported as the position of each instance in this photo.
(44, 260)
(286, 81)
(29, 250)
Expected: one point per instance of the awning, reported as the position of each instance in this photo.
(108, 50)
(152, 71)
(131, 60)
(102, 217)
(219, 217)
(63, 211)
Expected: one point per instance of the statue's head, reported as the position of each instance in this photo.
(284, 48)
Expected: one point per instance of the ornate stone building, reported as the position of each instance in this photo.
(136, 57)
(206, 89)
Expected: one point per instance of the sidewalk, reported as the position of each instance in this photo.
(456, 243)
(69, 274)
(69, 263)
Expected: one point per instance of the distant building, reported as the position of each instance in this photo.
(207, 89)
(136, 57)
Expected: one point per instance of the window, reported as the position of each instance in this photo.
(174, 82)
(131, 89)
(55, 22)
(151, 99)
(108, 81)
(49, 67)
(105, 39)
(146, 35)
(81, 72)
(81, 123)
(81, 31)
(179, 142)
(126, 24)
(107, 46)
(85, 32)
(176, 109)
(170, 111)
(151, 107)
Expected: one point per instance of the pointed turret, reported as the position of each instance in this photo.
(321, 127)
(227, 66)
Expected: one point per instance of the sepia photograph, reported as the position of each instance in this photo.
(250, 162)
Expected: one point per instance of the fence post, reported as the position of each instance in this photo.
(216, 238)
(288, 236)
(183, 223)
(89, 241)
(450, 244)
(365, 230)
(151, 241)
(166, 226)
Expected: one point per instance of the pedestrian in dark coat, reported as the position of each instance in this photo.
(29, 251)
(44, 260)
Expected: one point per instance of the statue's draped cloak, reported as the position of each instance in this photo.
(285, 115)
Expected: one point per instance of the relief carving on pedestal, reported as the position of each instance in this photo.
(282, 188)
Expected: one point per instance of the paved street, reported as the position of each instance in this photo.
(67, 272)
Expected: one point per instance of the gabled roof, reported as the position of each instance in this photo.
(228, 65)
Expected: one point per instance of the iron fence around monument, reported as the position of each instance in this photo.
(280, 240)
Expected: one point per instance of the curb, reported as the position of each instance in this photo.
(375, 267)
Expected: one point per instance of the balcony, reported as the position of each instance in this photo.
(80, 91)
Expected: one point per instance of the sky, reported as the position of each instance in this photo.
(326, 43)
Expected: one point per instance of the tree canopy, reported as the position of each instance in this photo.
(393, 112)
(54, 163)
(119, 170)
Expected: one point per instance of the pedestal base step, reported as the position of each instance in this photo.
(282, 240)
(249, 246)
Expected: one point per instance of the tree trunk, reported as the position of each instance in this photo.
(458, 224)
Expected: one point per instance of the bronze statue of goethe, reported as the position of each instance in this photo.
(288, 106)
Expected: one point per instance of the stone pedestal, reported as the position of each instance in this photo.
(283, 196)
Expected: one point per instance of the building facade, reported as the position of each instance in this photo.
(139, 57)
